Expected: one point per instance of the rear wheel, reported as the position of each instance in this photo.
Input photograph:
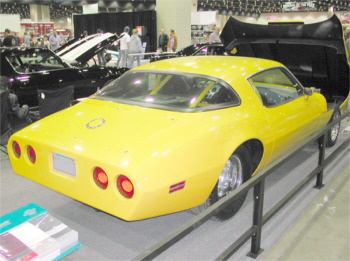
(333, 133)
(236, 171)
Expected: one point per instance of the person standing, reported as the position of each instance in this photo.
(18, 42)
(70, 36)
(124, 41)
(135, 48)
(44, 42)
(26, 39)
(32, 40)
(101, 54)
(163, 40)
(9, 39)
(172, 42)
(54, 40)
(214, 37)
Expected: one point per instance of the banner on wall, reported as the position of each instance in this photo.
(40, 28)
(299, 6)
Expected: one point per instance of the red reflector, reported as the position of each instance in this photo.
(16, 149)
(125, 186)
(177, 186)
(31, 154)
(100, 178)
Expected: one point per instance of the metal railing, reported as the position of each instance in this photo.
(258, 183)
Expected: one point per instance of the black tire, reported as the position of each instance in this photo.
(333, 133)
(241, 154)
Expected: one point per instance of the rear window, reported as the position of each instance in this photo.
(179, 92)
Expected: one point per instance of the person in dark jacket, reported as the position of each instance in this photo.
(21, 112)
(101, 54)
(9, 39)
(163, 40)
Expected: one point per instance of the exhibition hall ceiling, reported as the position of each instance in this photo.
(65, 8)
(248, 5)
(263, 6)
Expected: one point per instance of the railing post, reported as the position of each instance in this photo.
(255, 249)
(321, 155)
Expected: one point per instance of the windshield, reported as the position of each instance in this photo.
(36, 61)
(179, 92)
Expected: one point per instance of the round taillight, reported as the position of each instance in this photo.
(100, 178)
(31, 154)
(16, 149)
(125, 186)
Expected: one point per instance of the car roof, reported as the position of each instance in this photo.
(221, 67)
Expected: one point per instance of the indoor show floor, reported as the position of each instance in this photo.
(309, 218)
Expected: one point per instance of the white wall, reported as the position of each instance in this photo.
(175, 14)
(90, 9)
(10, 21)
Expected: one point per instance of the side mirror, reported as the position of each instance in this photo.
(308, 91)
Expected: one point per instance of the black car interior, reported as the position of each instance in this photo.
(34, 62)
(316, 66)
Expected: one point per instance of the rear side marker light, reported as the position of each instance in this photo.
(177, 186)
(31, 154)
(100, 178)
(125, 186)
(16, 149)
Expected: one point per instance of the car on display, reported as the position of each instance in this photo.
(172, 135)
(193, 50)
(31, 69)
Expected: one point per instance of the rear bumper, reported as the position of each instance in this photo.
(150, 200)
(82, 186)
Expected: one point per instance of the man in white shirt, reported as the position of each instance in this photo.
(214, 37)
(54, 40)
(124, 41)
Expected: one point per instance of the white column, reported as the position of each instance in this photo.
(45, 10)
(34, 13)
(175, 14)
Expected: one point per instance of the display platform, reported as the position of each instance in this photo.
(105, 237)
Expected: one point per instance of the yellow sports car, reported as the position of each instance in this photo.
(172, 135)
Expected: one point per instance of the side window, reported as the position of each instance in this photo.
(215, 93)
(275, 87)
(34, 62)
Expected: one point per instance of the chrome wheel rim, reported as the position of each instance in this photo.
(231, 176)
(335, 128)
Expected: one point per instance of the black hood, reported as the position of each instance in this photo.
(328, 33)
(315, 53)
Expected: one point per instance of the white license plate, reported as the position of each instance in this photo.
(64, 164)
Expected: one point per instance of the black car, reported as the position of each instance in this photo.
(194, 49)
(33, 69)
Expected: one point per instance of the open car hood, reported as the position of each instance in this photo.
(315, 53)
(82, 50)
(328, 32)
(73, 43)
